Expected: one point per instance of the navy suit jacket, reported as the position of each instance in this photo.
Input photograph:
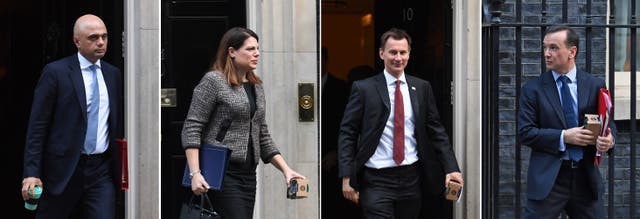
(364, 120)
(58, 122)
(540, 123)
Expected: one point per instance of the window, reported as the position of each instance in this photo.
(623, 36)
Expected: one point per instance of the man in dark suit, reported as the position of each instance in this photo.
(334, 98)
(75, 118)
(390, 136)
(562, 175)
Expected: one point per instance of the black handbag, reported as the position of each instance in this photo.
(202, 210)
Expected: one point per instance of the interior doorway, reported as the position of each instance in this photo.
(350, 37)
(32, 34)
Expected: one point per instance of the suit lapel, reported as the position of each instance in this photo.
(383, 90)
(551, 91)
(583, 93)
(78, 84)
(413, 94)
(110, 82)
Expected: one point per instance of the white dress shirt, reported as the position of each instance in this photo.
(103, 113)
(383, 157)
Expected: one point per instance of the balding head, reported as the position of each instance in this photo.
(90, 36)
(86, 20)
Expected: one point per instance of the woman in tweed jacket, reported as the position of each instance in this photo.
(228, 108)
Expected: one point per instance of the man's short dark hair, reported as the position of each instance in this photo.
(572, 37)
(396, 34)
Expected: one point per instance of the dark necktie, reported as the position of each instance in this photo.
(398, 126)
(575, 152)
(92, 113)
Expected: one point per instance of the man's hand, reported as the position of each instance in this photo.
(605, 143)
(455, 176)
(28, 184)
(578, 136)
(348, 192)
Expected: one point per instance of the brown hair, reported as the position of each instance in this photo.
(223, 63)
(395, 33)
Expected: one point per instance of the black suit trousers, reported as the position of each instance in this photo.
(89, 194)
(571, 194)
(391, 192)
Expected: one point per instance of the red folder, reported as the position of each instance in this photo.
(124, 164)
(605, 109)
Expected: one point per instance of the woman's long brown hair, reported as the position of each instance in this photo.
(233, 38)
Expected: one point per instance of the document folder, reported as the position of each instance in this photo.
(214, 160)
(605, 109)
(124, 164)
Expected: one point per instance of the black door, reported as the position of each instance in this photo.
(32, 34)
(191, 31)
(430, 27)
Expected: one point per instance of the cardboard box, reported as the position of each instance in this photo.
(298, 188)
(592, 122)
(452, 193)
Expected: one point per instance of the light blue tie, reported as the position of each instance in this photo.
(575, 152)
(92, 113)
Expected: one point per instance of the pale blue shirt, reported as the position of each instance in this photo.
(573, 88)
(103, 112)
(383, 157)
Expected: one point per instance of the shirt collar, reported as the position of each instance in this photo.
(84, 63)
(392, 80)
(571, 74)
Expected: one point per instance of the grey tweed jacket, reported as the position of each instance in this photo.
(216, 104)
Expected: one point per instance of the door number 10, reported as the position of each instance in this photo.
(407, 14)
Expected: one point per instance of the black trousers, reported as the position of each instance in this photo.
(570, 193)
(89, 194)
(391, 192)
(238, 194)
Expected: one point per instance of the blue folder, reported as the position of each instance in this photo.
(214, 160)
